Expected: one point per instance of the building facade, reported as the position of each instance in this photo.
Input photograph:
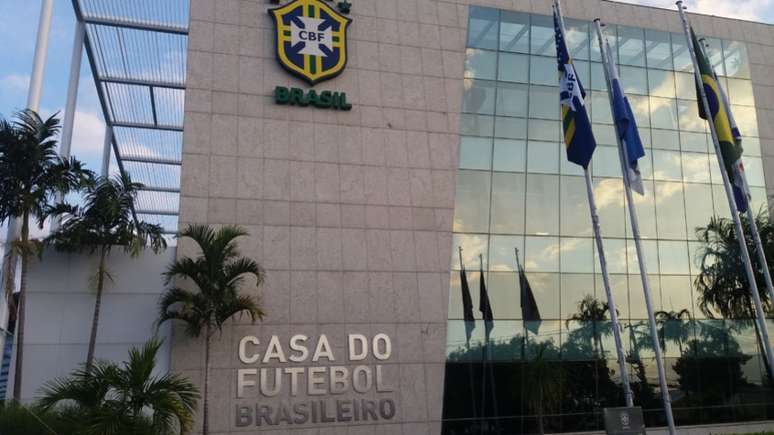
(453, 140)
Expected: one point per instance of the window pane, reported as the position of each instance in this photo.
(615, 254)
(753, 167)
(641, 109)
(740, 92)
(502, 256)
(607, 163)
(713, 49)
(665, 139)
(737, 62)
(542, 42)
(543, 157)
(752, 146)
(634, 80)
(575, 287)
(677, 295)
(601, 104)
(670, 210)
(693, 142)
(480, 64)
(545, 130)
(685, 84)
(471, 212)
(688, 115)
(472, 245)
(475, 152)
(511, 99)
(545, 287)
(661, 83)
(631, 46)
(542, 254)
(543, 71)
(604, 134)
(508, 203)
(509, 155)
(483, 27)
(582, 68)
(673, 257)
(650, 254)
(598, 81)
(659, 49)
(698, 207)
(514, 32)
(510, 128)
(637, 304)
(542, 216)
(696, 167)
(575, 217)
(682, 57)
(646, 212)
(609, 196)
(577, 38)
(663, 113)
(666, 165)
(577, 255)
(611, 31)
(746, 119)
(513, 68)
(500, 286)
(476, 125)
(543, 102)
(479, 97)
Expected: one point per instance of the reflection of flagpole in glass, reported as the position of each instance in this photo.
(467, 313)
(700, 82)
(486, 311)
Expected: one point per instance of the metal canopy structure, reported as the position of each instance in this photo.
(137, 53)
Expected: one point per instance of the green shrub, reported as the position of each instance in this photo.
(18, 419)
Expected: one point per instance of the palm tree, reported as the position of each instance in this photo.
(219, 273)
(32, 174)
(105, 221)
(672, 326)
(108, 399)
(590, 313)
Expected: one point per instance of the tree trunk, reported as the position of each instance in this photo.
(205, 404)
(97, 307)
(20, 318)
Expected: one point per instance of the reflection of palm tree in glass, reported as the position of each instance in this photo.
(639, 338)
(672, 326)
(722, 282)
(591, 312)
(542, 382)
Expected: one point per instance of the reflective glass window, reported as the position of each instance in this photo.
(543, 71)
(696, 167)
(543, 102)
(471, 212)
(680, 53)
(714, 50)
(502, 256)
(543, 157)
(634, 80)
(663, 113)
(641, 109)
(698, 206)
(661, 83)
(673, 257)
(509, 155)
(514, 32)
(752, 146)
(688, 116)
(670, 210)
(746, 119)
(541, 254)
(609, 195)
(513, 68)
(582, 69)
(576, 287)
(480, 64)
(598, 81)
(659, 48)
(720, 200)
(483, 27)
(574, 216)
(650, 256)
(510, 128)
(736, 60)
(500, 286)
(472, 245)
(693, 142)
(740, 92)
(512, 99)
(601, 104)
(508, 203)
(542, 42)
(685, 85)
(607, 162)
(753, 168)
(542, 216)
(576, 255)
(611, 32)
(615, 254)
(666, 165)
(479, 97)
(545, 130)
(545, 287)
(631, 46)
(476, 125)
(577, 34)
(604, 134)
(475, 152)
(665, 139)
(646, 212)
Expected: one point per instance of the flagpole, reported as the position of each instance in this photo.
(467, 347)
(623, 158)
(524, 338)
(760, 315)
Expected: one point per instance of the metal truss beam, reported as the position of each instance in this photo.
(150, 83)
(146, 126)
(160, 189)
(158, 212)
(151, 160)
(136, 26)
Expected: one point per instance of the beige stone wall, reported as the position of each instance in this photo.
(351, 212)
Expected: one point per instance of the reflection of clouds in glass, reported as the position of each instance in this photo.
(609, 192)
(666, 166)
(472, 245)
(546, 257)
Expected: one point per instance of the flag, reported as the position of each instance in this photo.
(626, 126)
(467, 307)
(576, 126)
(485, 307)
(725, 126)
(529, 309)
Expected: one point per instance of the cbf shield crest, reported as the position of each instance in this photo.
(311, 39)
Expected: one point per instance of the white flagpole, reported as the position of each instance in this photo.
(623, 158)
(760, 315)
(603, 268)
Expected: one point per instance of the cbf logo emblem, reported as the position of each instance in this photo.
(311, 39)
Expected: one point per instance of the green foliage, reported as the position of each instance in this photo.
(18, 419)
(127, 399)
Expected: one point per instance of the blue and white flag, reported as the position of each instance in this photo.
(626, 126)
(578, 137)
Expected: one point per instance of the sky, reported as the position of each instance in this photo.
(18, 27)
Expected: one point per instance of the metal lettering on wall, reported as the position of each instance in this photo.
(280, 369)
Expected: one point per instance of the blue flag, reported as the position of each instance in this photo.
(626, 127)
(576, 126)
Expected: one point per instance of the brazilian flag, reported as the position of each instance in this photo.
(728, 134)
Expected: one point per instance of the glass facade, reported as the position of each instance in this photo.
(516, 190)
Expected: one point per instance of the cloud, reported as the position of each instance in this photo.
(15, 83)
(88, 133)
(754, 10)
